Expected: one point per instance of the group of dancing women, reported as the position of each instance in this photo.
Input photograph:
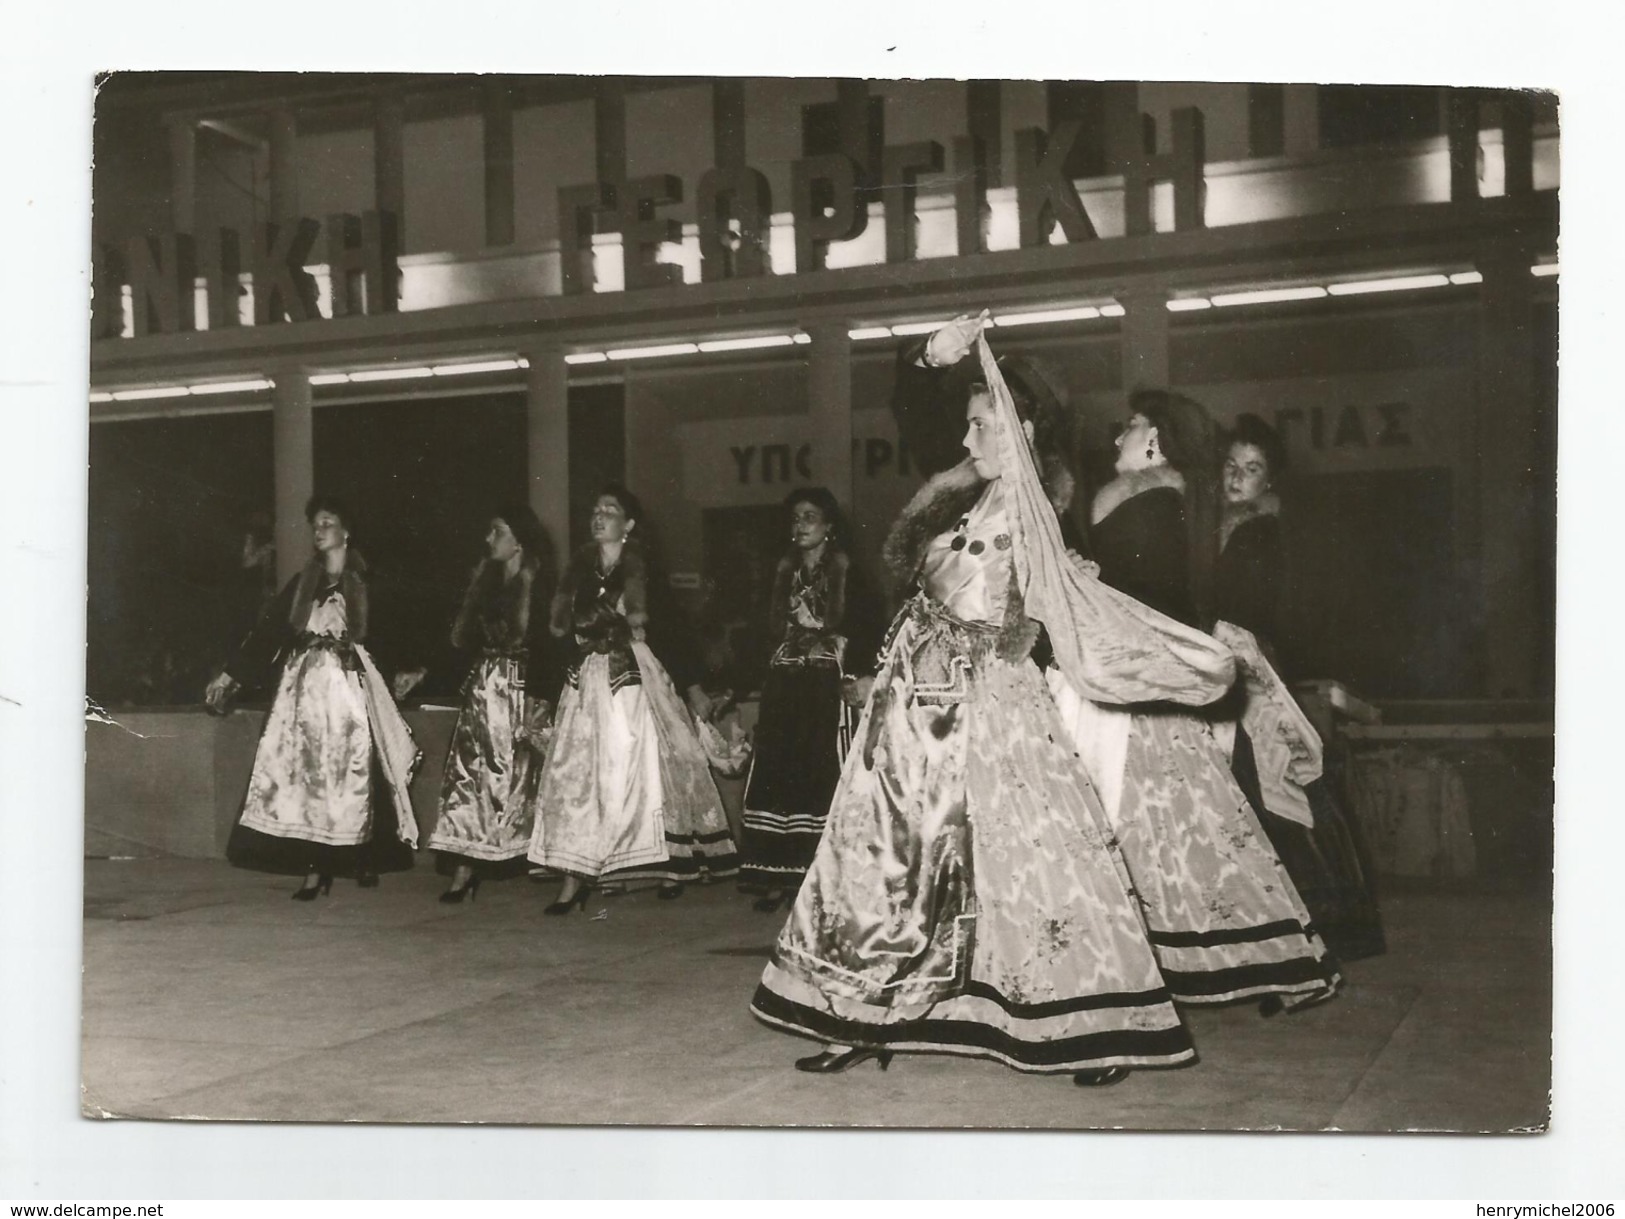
(1067, 794)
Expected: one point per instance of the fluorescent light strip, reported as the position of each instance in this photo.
(585, 357)
(463, 370)
(1189, 304)
(232, 387)
(1467, 277)
(100, 395)
(1112, 310)
(904, 329)
(1544, 269)
(391, 374)
(1267, 296)
(802, 338)
(749, 344)
(156, 391)
(869, 332)
(654, 353)
(329, 378)
(1400, 283)
(1083, 313)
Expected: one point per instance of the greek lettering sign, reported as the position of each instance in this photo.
(829, 203)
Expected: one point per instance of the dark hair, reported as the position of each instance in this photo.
(628, 502)
(1188, 438)
(523, 523)
(822, 499)
(329, 503)
(1250, 429)
(1040, 403)
(257, 525)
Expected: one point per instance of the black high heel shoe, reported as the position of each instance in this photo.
(768, 904)
(367, 879)
(309, 893)
(452, 897)
(669, 893)
(578, 902)
(1271, 1006)
(1102, 1077)
(833, 1062)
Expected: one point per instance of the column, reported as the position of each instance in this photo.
(1144, 338)
(1301, 120)
(1125, 125)
(284, 166)
(389, 158)
(984, 122)
(1510, 497)
(728, 122)
(609, 131)
(1461, 133)
(497, 112)
(183, 174)
(293, 467)
(829, 398)
(547, 444)
(852, 110)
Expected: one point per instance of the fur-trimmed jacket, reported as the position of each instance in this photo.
(606, 612)
(1249, 578)
(934, 510)
(498, 613)
(807, 609)
(285, 619)
(1137, 528)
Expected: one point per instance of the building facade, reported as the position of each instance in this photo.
(432, 291)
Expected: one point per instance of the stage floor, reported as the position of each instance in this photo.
(208, 994)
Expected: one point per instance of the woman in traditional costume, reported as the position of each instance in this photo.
(966, 897)
(626, 791)
(805, 723)
(1277, 757)
(1223, 916)
(484, 825)
(329, 791)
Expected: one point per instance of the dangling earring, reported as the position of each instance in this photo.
(1150, 452)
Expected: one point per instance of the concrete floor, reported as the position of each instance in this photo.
(208, 994)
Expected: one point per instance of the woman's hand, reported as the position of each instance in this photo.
(538, 719)
(406, 681)
(953, 342)
(855, 690)
(219, 690)
(1085, 566)
(699, 703)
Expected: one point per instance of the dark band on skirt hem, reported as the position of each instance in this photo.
(1242, 981)
(1129, 1047)
(1229, 935)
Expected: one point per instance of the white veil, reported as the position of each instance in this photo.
(1110, 647)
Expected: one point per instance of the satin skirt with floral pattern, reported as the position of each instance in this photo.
(483, 817)
(322, 784)
(626, 789)
(1221, 911)
(964, 898)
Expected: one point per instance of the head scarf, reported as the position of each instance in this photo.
(1110, 647)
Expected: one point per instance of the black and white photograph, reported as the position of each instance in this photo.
(640, 617)
(620, 599)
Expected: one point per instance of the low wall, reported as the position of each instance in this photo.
(172, 782)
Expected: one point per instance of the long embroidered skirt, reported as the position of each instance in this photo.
(626, 790)
(1222, 914)
(964, 898)
(328, 790)
(793, 773)
(1328, 862)
(484, 820)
